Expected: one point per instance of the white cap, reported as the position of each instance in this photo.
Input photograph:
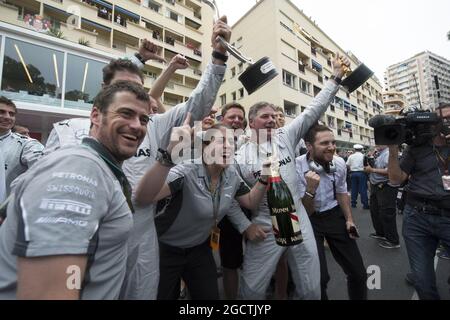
(358, 147)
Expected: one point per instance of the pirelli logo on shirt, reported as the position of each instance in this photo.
(66, 205)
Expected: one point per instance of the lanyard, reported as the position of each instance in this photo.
(114, 166)
(215, 196)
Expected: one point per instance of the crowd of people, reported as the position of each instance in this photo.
(137, 198)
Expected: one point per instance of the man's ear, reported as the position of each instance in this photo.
(250, 123)
(96, 117)
(309, 147)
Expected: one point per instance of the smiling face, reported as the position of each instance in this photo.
(281, 119)
(123, 126)
(265, 119)
(210, 120)
(7, 118)
(323, 148)
(234, 118)
(220, 151)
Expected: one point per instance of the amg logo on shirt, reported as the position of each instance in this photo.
(66, 205)
(143, 153)
(61, 220)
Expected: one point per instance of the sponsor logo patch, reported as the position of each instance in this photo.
(66, 205)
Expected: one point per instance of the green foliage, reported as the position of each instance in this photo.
(56, 33)
(84, 42)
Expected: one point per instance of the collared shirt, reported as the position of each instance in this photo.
(330, 184)
(381, 162)
(189, 216)
(70, 203)
(2, 179)
(19, 153)
(356, 162)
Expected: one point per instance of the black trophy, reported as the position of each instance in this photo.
(258, 73)
(356, 78)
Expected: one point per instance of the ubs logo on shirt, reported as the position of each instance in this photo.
(143, 153)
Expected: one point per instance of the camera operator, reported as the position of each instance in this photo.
(383, 200)
(322, 183)
(427, 210)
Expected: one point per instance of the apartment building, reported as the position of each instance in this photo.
(302, 53)
(394, 102)
(52, 51)
(424, 79)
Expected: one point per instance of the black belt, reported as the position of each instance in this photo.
(428, 206)
(323, 214)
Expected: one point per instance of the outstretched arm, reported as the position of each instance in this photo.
(297, 129)
(179, 62)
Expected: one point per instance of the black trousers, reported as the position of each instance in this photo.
(383, 210)
(331, 226)
(196, 266)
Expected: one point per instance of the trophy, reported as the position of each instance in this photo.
(258, 73)
(356, 78)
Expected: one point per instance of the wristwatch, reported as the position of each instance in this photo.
(220, 56)
(164, 158)
(311, 195)
(338, 80)
(140, 58)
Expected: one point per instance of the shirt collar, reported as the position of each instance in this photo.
(6, 135)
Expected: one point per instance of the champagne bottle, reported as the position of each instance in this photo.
(285, 222)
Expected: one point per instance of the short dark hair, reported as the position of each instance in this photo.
(107, 94)
(232, 105)
(443, 106)
(310, 136)
(109, 71)
(258, 106)
(5, 100)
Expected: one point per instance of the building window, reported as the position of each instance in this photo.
(305, 86)
(233, 96)
(289, 79)
(316, 66)
(241, 93)
(233, 72)
(32, 73)
(84, 78)
(223, 99)
(241, 67)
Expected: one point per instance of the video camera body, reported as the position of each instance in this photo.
(415, 128)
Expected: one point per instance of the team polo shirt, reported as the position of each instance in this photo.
(70, 203)
(2, 179)
(19, 153)
(325, 195)
(188, 218)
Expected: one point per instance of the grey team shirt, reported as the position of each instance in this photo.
(68, 204)
(188, 220)
(19, 154)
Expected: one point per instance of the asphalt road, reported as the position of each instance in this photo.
(393, 265)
